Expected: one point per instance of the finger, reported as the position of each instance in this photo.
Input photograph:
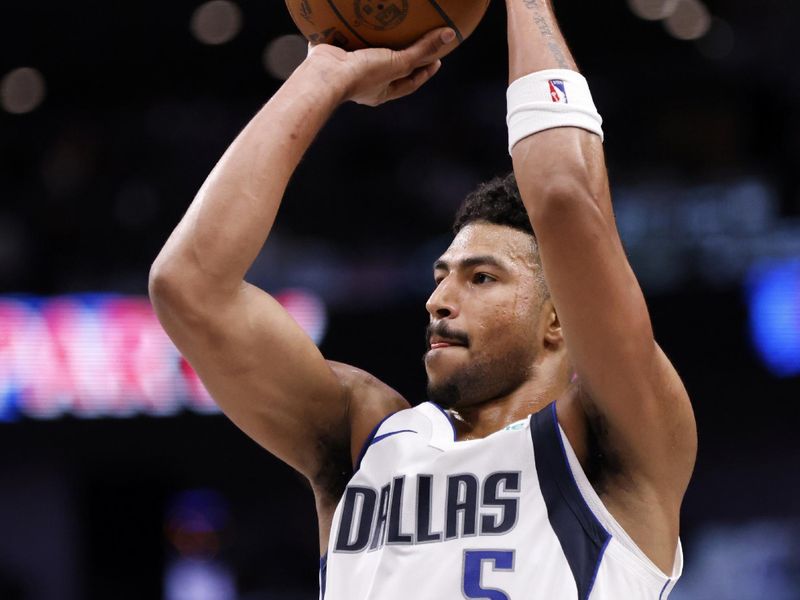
(418, 78)
(427, 48)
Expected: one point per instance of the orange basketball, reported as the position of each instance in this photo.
(354, 24)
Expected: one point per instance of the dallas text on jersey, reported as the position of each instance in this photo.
(372, 517)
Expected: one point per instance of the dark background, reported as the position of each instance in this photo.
(137, 112)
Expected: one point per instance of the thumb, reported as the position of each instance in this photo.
(427, 49)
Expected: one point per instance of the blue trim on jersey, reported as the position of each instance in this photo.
(597, 566)
(664, 589)
(582, 537)
(375, 440)
(368, 441)
(323, 575)
(448, 417)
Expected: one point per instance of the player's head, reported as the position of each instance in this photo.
(491, 302)
(498, 202)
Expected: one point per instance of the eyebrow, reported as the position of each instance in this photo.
(469, 262)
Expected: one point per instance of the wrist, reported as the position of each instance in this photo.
(550, 99)
(327, 78)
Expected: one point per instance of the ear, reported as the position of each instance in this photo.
(553, 336)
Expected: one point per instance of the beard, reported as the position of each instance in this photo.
(484, 380)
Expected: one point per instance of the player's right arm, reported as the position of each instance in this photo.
(259, 366)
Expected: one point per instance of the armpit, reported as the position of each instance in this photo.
(336, 470)
(602, 461)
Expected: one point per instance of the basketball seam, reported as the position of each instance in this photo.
(346, 24)
(447, 19)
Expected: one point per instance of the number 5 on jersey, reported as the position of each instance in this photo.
(501, 560)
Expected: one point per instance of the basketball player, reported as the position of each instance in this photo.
(552, 458)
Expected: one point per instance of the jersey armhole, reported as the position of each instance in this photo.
(634, 555)
(368, 442)
(587, 506)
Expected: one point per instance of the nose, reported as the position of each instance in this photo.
(443, 302)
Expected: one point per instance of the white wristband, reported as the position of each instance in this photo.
(550, 99)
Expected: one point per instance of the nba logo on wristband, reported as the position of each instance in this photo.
(558, 91)
(530, 110)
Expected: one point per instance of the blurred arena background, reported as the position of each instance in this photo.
(118, 480)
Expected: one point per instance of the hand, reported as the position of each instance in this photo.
(373, 76)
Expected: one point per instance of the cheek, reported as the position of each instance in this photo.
(508, 320)
(527, 309)
(525, 304)
(507, 326)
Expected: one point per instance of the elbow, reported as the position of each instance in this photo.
(181, 294)
(159, 282)
(164, 284)
(174, 300)
(171, 287)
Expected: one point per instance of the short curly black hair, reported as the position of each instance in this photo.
(497, 201)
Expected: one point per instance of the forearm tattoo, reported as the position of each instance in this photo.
(542, 21)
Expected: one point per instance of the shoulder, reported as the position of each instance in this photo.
(365, 393)
(360, 383)
(369, 401)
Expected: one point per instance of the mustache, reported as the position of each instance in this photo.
(442, 330)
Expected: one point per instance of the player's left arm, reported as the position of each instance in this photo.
(627, 379)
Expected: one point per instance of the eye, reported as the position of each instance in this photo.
(481, 278)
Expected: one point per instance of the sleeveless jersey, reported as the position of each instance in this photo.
(508, 517)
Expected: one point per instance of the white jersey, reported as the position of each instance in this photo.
(508, 517)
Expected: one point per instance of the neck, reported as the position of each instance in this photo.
(480, 420)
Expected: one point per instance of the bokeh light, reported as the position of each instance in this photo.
(689, 21)
(22, 90)
(284, 54)
(774, 298)
(216, 22)
(652, 10)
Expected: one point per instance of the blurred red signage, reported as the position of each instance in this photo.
(94, 356)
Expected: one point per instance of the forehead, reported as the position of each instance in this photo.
(510, 246)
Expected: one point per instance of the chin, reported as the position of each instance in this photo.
(435, 378)
(454, 383)
(446, 395)
(451, 386)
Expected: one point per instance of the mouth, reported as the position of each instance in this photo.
(440, 343)
(440, 337)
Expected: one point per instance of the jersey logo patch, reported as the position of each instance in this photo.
(558, 91)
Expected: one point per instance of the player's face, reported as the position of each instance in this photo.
(484, 316)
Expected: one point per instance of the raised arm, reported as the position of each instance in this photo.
(628, 385)
(257, 363)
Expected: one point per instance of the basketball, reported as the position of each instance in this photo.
(354, 24)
